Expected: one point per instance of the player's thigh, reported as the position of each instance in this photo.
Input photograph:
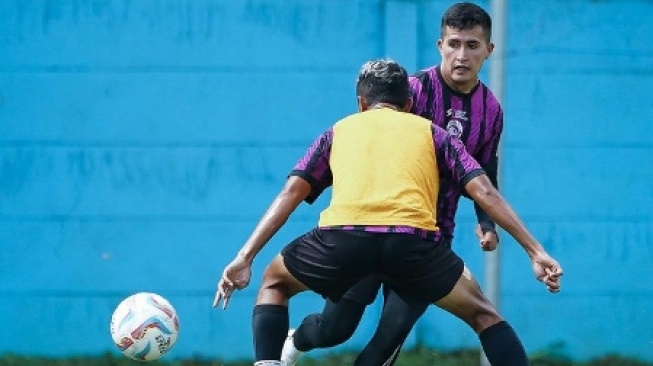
(278, 284)
(330, 262)
(419, 268)
(365, 291)
(467, 302)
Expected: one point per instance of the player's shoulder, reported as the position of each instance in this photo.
(490, 99)
(348, 118)
(426, 75)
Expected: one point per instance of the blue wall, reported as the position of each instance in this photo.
(141, 141)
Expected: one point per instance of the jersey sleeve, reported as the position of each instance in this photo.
(418, 94)
(454, 162)
(488, 154)
(314, 166)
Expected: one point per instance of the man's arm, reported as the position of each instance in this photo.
(293, 193)
(484, 219)
(238, 273)
(486, 195)
(489, 160)
(486, 228)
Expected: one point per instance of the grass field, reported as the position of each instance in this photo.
(416, 357)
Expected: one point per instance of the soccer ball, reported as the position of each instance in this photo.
(144, 326)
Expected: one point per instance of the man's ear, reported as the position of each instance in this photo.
(408, 106)
(490, 48)
(362, 104)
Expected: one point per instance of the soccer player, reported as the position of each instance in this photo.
(384, 166)
(452, 97)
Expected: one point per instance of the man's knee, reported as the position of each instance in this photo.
(278, 284)
(337, 332)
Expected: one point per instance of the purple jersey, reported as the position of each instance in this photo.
(475, 118)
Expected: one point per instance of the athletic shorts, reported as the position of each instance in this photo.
(365, 291)
(330, 262)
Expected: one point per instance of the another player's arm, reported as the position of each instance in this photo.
(486, 195)
(453, 160)
(484, 220)
(293, 193)
(490, 163)
(306, 182)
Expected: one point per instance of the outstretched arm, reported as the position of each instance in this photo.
(238, 273)
(293, 193)
(546, 268)
(485, 230)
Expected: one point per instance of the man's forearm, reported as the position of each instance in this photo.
(486, 222)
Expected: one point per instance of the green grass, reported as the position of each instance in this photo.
(415, 357)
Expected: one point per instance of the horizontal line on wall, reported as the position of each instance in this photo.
(574, 293)
(574, 219)
(288, 143)
(581, 71)
(252, 291)
(300, 218)
(140, 218)
(103, 293)
(249, 70)
(294, 143)
(566, 51)
(153, 144)
(582, 145)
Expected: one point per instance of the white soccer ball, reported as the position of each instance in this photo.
(144, 326)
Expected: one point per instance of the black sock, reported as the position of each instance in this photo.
(502, 346)
(397, 320)
(270, 326)
(332, 327)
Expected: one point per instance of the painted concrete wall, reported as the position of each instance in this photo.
(141, 141)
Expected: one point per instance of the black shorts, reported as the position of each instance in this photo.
(330, 262)
(365, 291)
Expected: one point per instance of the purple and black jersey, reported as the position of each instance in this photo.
(475, 118)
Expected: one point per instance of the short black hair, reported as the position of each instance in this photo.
(465, 16)
(383, 81)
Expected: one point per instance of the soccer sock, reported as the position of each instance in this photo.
(502, 346)
(398, 318)
(270, 327)
(332, 327)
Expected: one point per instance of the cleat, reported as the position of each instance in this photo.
(290, 355)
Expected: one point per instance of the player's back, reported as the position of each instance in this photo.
(384, 171)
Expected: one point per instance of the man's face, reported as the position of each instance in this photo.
(463, 53)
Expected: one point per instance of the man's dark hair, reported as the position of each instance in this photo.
(383, 81)
(464, 16)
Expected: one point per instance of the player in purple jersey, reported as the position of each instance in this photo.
(384, 166)
(452, 97)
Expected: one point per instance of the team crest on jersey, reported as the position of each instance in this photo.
(455, 126)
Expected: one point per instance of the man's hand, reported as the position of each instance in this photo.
(548, 271)
(488, 240)
(236, 276)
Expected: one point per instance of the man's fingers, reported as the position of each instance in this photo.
(226, 295)
(216, 299)
(554, 271)
(223, 292)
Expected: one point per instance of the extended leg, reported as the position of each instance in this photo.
(338, 320)
(397, 320)
(500, 342)
(270, 317)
